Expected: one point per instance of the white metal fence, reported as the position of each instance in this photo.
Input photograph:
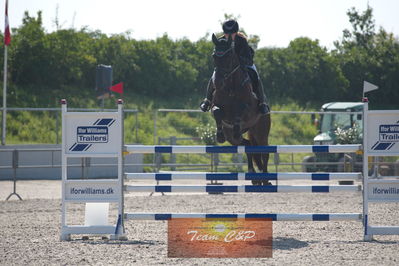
(56, 112)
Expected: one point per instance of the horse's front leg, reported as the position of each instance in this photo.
(238, 117)
(218, 114)
(237, 128)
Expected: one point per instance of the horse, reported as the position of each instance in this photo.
(235, 106)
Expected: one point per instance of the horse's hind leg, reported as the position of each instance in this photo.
(261, 159)
(263, 139)
(265, 159)
(250, 158)
(251, 168)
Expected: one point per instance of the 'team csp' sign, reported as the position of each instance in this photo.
(219, 238)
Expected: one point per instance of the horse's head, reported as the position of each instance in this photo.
(224, 57)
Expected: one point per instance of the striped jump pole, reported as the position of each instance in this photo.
(145, 149)
(273, 216)
(243, 176)
(89, 134)
(243, 189)
(352, 148)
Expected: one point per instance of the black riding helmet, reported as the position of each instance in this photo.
(230, 26)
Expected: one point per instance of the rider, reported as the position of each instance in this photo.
(246, 54)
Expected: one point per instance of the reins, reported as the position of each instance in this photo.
(228, 75)
(232, 72)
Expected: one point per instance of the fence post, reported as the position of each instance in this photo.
(137, 126)
(14, 166)
(158, 158)
(173, 141)
(155, 126)
(276, 158)
(57, 125)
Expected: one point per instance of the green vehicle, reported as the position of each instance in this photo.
(337, 128)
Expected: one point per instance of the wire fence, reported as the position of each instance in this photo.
(50, 122)
(180, 127)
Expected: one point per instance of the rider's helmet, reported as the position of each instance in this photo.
(230, 26)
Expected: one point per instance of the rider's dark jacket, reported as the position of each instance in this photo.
(244, 51)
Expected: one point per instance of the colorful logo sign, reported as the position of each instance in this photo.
(220, 238)
(388, 136)
(88, 135)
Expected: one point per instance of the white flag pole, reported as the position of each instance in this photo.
(7, 39)
(3, 135)
(367, 86)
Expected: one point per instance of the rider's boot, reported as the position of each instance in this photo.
(206, 103)
(263, 106)
(258, 89)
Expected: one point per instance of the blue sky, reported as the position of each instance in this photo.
(277, 22)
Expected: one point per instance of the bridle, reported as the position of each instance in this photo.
(227, 72)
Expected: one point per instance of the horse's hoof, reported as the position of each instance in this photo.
(256, 182)
(220, 137)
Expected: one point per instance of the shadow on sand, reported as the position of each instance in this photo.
(288, 243)
(279, 243)
(102, 241)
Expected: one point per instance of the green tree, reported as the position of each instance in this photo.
(29, 60)
(312, 71)
(272, 67)
(71, 58)
(364, 54)
(363, 28)
(303, 72)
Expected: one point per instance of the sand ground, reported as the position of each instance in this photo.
(30, 229)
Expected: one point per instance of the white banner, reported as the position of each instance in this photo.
(383, 133)
(92, 190)
(91, 133)
(383, 191)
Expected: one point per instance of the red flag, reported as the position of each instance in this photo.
(7, 35)
(117, 88)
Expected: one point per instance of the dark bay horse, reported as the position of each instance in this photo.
(235, 106)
